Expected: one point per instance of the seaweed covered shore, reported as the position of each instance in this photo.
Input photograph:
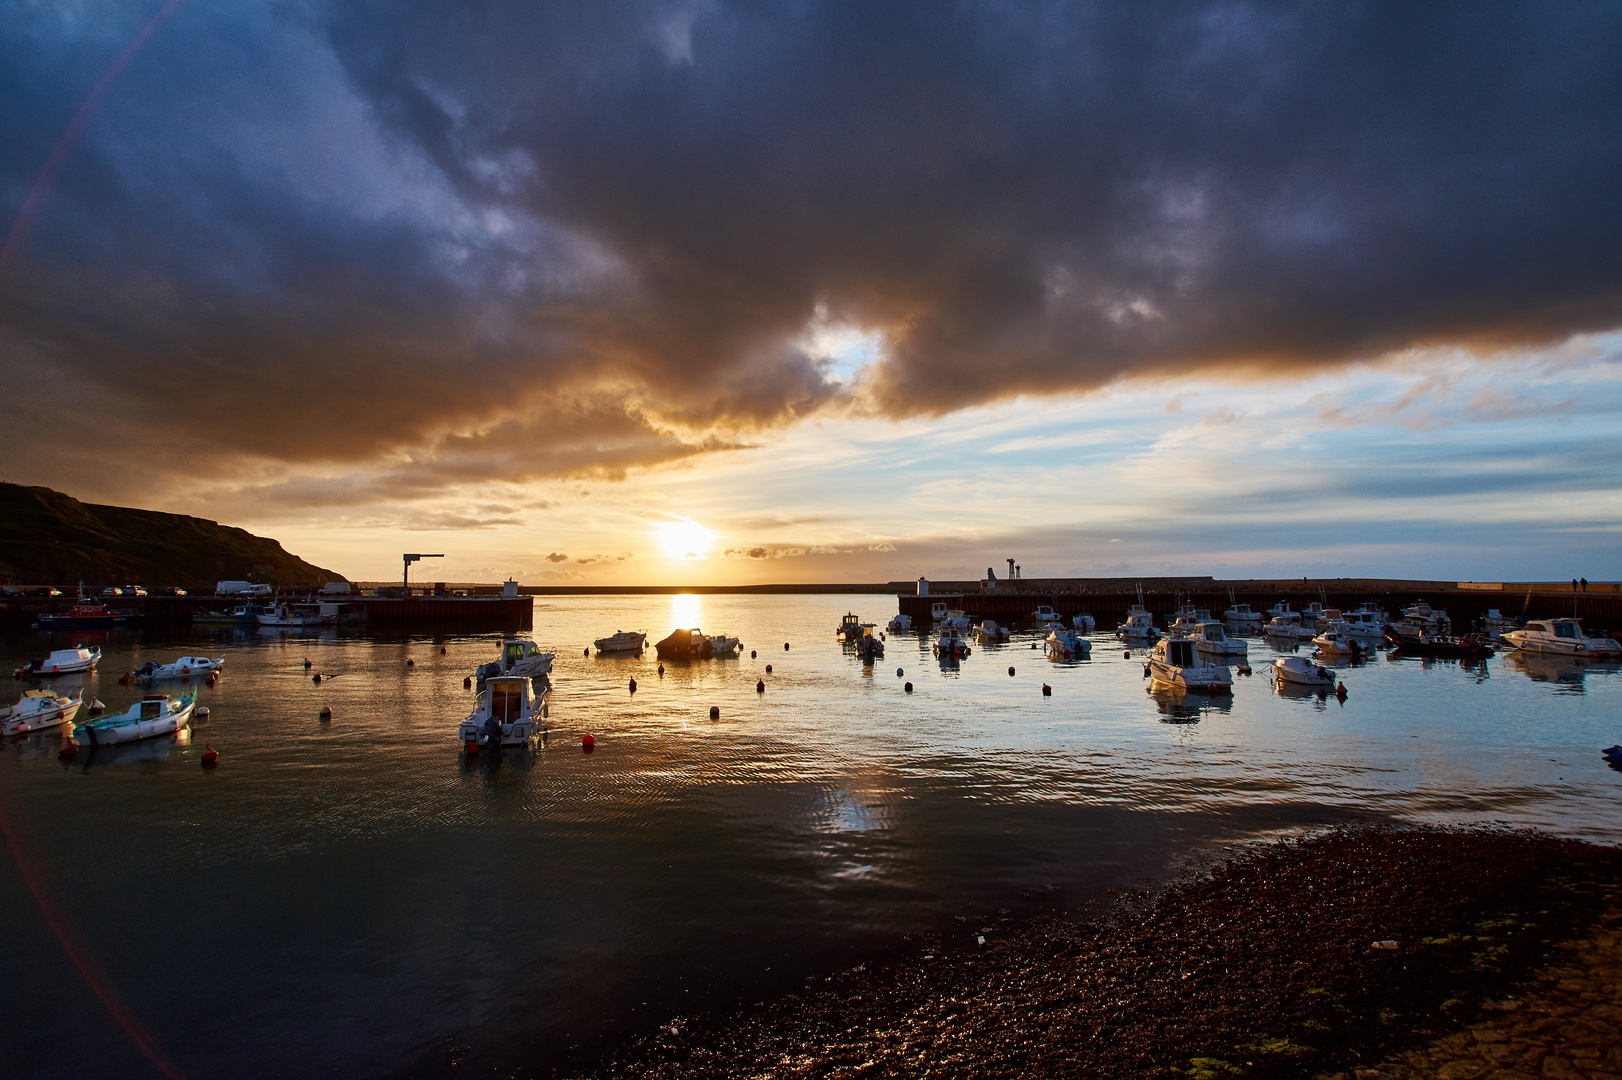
(1326, 955)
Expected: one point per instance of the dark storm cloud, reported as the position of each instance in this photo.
(341, 232)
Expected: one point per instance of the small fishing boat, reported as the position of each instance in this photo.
(850, 627)
(37, 710)
(620, 641)
(508, 701)
(88, 616)
(72, 661)
(1084, 622)
(241, 615)
(295, 616)
(186, 667)
(1367, 621)
(1241, 615)
(1282, 610)
(1211, 640)
(1177, 662)
(153, 715)
(1299, 671)
(937, 610)
(1139, 625)
(1339, 643)
(1065, 644)
(519, 657)
(1044, 614)
(1286, 627)
(957, 620)
(901, 624)
(1562, 636)
(950, 643)
(869, 647)
(989, 633)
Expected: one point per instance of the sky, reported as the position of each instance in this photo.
(695, 292)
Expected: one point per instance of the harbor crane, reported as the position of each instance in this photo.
(405, 576)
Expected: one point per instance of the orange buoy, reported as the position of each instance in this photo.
(210, 680)
(211, 756)
(1127, 655)
(1047, 691)
(1340, 691)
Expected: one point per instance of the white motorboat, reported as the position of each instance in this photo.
(1433, 620)
(1286, 626)
(1302, 672)
(722, 646)
(296, 616)
(186, 667)
(957, 620)
(937, 611)
(1177, 662)
(153, 715)
(72, 661)
(520, 656)
(901, 624)
(1044, 614)
(1211, 640)
(989, 633)
(950, 644)
(694, 644)
(1065, 644)
(1496, 624)
(1084, 622)
(1241, 615)
(1311, 614)
(1367, 621)
(1139, 625)
(37, 710)
(620, 641)
(1563, 636)
(508, 701)
(1339, 643)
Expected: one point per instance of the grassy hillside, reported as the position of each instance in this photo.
(47, 537)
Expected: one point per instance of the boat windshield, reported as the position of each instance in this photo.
(1566, 628)
(1213, 632)
(1180, 653)
(507, 700)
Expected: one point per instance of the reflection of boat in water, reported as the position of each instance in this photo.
(1567, 671)
(157, 749)
(1179, 706)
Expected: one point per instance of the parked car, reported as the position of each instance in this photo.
(49, 590)
(134, 590)
(173, 590)
(11, 590)
(112, 590)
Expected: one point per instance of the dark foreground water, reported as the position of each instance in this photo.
(354, 898)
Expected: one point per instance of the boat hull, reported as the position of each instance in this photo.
(116, 730)
(54, 715)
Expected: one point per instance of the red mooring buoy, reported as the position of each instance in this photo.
(467, 683)
(211, 756)
(1047, 691)
(69, 749)
(760, 686)
(907, 687)
(588, 743)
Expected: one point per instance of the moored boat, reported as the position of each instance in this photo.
(1139, 625)
(950, 643)
(1300, 671)
(72, 661)
(1562, 636)
(295, 616)
(989, 633)
(869, 647)
(620, 641)
(87, 616)
(1084, 622)
(1177, 662)
(1242, 616)
(153, 715)
(506, 704)
(850, 627)
(37, 710)
(1211, 640)
(901, 624)
(1064, 643)
(520, 657)
(186, 667)
(1469, 647)
(241, 615)
(1044, 614)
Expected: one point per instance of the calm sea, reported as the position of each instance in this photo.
(354, 898)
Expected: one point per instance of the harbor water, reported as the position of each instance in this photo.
(356, 897)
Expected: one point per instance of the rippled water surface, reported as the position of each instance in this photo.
(355, 898)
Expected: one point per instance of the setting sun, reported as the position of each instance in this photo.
(684, 540)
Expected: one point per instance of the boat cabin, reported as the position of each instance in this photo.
(1560, 628)
(937, 611)
(850, 625)
(516, 652)
(1181, 652)
(1210, 630)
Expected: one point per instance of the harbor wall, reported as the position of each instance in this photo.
(494, 612)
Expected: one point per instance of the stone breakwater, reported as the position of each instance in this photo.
(1353, 954)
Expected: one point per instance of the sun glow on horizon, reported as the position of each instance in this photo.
(684, 539)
